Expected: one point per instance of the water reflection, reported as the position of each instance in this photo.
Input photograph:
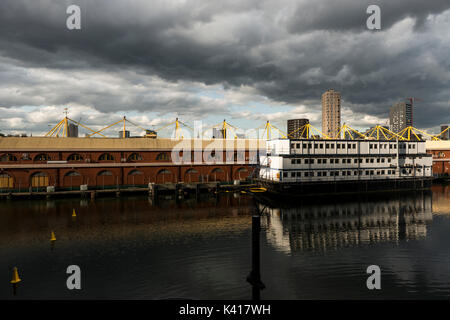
(26, 222)
(325, 226)
(441, 197)
(202, 248)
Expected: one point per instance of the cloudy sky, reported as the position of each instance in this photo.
(244, 60)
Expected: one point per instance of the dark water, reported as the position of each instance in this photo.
(129, 248)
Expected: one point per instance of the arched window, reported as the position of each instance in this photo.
(8, 157)
(191, 175)
(73, 174)
(39, 174)
(105, 173)
(39, 179)
(74, 157)
(42, 157)
(6, 181)
(106, 157)
(217, 174)
(165, 176)
(135, 172)
(135, 157)
(241, 172)
(162, 156)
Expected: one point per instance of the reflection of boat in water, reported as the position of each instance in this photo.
(312, 226)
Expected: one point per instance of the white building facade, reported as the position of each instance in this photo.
(344, 160)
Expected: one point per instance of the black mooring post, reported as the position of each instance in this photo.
(254, 277)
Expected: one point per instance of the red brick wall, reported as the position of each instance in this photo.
(166, 172)
(441, 161)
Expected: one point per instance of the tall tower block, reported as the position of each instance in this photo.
(331, 113)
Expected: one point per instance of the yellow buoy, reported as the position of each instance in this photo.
(15, 277)
(53, 238)
(258, 189)
(74, 215)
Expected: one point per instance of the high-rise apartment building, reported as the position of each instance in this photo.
(446, 134)
(293, 128)
(331, 113)
(400, 116)
(127, 134)
(73, 130)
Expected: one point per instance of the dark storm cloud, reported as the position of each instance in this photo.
(290, 51)
(346, 14)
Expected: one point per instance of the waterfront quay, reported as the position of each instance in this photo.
(153, 190)
(46, 164)
(91, 167)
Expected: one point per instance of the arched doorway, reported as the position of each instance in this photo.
(72, 180)
(217, 174)
(191, 175)
(105, 178)
(39, 179)
(135, 177)
(241, 174)
(165, 176)
(6, 181)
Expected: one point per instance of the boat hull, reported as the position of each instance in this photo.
(307, 188)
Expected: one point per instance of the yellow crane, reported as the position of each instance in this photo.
(178, 130)
(124, 121)
(381, 131)
(307, 130)
(410, 132)
(438, 137)
(224, 127)
(345, 129)
(63, 126)
(268, 128)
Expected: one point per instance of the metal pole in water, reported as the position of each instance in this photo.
(254, 278)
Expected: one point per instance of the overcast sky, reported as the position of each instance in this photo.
(246, 60)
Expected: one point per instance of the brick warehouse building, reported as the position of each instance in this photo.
(441, 156)
(67, 163)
